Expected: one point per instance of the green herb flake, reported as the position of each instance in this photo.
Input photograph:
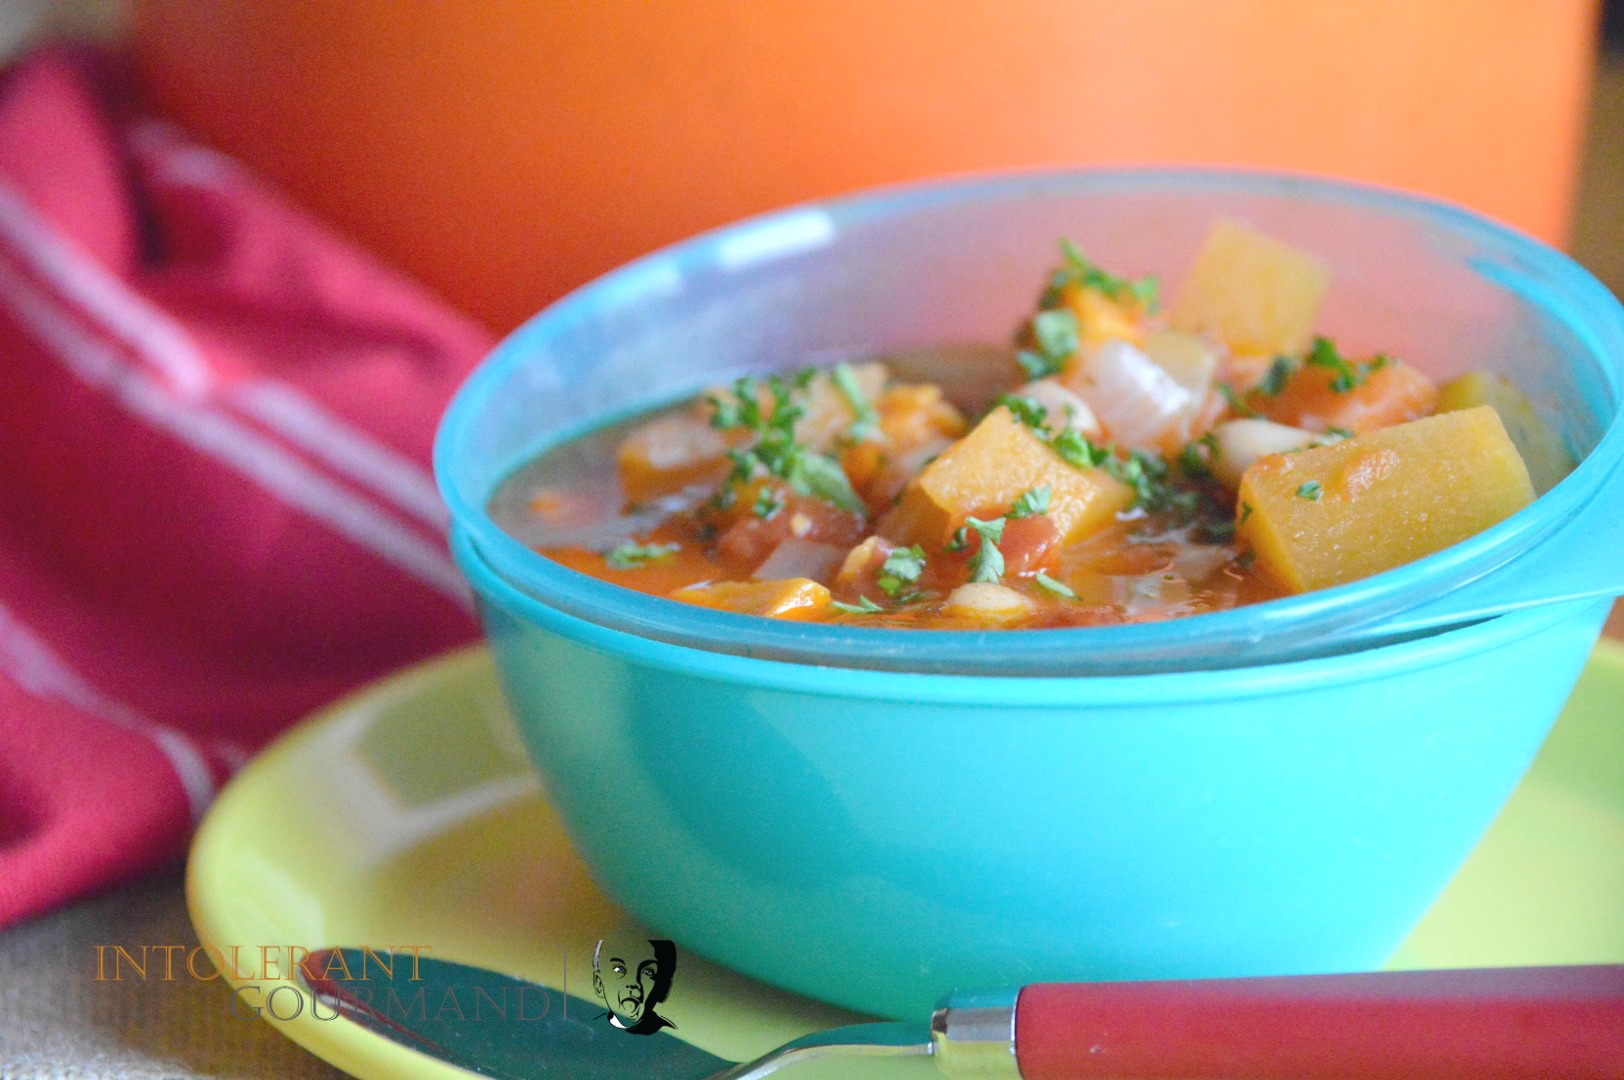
(1195, 460)
(1279, 375)
(775, 450)
(902, 567)
(1246, 512)
(1033, 501)
(1058, 336)
(1075, 450)
(987, 564)
(1145, 292)
(1035, 365)
(1345, 375)
(864, 606)
(1339, 433)
(1236, 404)
(866, 422)
(1027, 410)
(631, 555)
(1310, 490)
(1049, 584)
(767, 504)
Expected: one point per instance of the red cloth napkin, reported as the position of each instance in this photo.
(215, 506)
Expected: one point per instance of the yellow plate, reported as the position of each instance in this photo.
(406, 816)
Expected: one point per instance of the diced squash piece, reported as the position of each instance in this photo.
(914, 413)
(1238, 444)
(987, 604)
(1542, 449)
(883, 489)
(670, 453)
(1394, 393)
(986, 471)
(1254, 293)
(1333, 514)
(1099, 318)
(789, 598)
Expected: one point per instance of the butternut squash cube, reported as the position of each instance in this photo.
(1334, 514)
(984, 473)
(789, 598)
(1254, 293)
(1542, 449)
(1099, 318)
(670, 453)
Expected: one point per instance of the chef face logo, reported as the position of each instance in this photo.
(631, 977)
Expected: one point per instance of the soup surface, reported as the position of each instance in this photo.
(1118, 462)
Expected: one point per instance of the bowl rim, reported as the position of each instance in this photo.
(1201, 686)
(1568, 293)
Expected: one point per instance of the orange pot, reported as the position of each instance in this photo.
(505, 152)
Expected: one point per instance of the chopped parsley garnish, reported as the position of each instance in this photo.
(1217, 532)
(866, 422)
(902, 567)
(1147, 475)
(864, 606)
(1058, 338)
(1246, 512)
(1027, 410)
(1279, 374)
(776, 451)
(1144, 291)
(1196, 459)
(1075, 450)
(1310, 490)
(1051, 585)
(1339, 433)
(631, 555)
(1236, 405)
(987, 564)
(767, 504)
(1033, 501)
(1346, 375)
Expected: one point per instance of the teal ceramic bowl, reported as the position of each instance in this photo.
(878, 817)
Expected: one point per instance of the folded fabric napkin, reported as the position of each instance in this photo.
(215, 506)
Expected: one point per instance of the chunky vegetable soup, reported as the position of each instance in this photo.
(1119, 463)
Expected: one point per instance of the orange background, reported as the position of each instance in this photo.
(504, 152)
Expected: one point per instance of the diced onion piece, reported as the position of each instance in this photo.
(865, 556)
(1190, 359)
(1061, 407)
(829, 413)
(1240, 443)
(987, 603)
(1137, 402)
(795, 558)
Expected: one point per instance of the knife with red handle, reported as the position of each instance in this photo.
(1532, 1023)
(1485, 1024)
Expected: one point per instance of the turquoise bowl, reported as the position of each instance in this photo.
(877, 818)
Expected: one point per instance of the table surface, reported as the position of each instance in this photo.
(57, 1021)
